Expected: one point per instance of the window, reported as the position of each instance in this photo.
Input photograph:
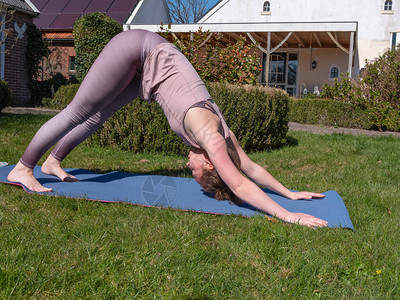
(282, 71)
(292, 69)
(395, 40)
(277, 67)
(388, 5)
(72, 64)
(267, 6)
(334, 72)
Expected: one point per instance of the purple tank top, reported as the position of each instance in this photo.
(169, 79)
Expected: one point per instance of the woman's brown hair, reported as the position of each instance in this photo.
(212, 183)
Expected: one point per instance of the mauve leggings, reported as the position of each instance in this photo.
(111, 83)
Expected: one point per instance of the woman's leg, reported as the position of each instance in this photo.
(52, 165)
(112, 72)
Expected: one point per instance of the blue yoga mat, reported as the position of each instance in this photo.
(176, 193)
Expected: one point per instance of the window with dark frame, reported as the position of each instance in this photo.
(394, 40)
(388, 5)
(334, 72)
(72, 64)
(267, 6)
(277, 68)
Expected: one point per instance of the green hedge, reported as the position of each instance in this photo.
(328, 113)
(257, 115)
(139, 127)
(6, 96)
(62, 97)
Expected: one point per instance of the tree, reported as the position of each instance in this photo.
(6, 15)
(187, 11)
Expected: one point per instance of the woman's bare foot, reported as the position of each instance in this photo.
(24, 175)
(52, 166)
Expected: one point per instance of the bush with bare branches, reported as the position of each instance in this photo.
(187, 11)
(6, 15)
(377, 91)
(236, 62)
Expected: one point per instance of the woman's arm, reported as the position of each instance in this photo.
(249, 192)
(204, 129)
(262, 177)
(203, 126)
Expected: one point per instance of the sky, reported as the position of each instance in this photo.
(211, 3)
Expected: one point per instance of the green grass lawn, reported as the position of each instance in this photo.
(67, 248)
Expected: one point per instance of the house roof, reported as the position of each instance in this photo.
(62, 14)
(21, 5)
(58, 36)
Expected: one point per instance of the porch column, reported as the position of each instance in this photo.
(350, 66)
(268, 58)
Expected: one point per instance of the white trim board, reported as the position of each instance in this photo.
(255, 27)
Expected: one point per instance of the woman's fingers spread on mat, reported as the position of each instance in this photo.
(308, 220)
(305, 195)
(318, 223)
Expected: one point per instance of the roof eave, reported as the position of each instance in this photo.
(34, 12)
(30, 13)
(256, 27)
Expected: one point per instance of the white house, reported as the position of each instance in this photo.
(305, 43)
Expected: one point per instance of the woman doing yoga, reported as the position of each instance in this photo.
(141, 63)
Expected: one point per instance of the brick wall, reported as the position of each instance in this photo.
(15, 57)
(58, 60)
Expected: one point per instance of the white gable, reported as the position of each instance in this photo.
(374, 23)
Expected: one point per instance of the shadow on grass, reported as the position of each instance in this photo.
(291, 142)
(185, 172)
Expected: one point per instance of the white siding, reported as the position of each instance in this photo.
(374, 25)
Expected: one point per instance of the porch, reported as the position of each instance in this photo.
(295, 56)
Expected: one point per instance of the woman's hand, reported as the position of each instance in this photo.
(304, 195)
(306, 220)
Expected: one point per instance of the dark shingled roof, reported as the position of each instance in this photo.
(21, 5)
(62, 14)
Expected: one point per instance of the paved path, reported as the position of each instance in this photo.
(29, 110)
(318, 129)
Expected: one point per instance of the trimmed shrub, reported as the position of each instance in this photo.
(328, 113)
(91, 33)
(139, 127)
(257, 115)
(46, 88)
(6, 96)
(62, 97)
